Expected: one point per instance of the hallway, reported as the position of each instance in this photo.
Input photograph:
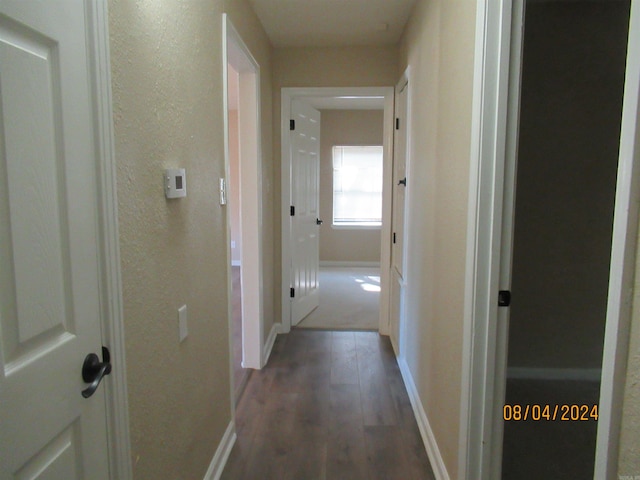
(329, 405)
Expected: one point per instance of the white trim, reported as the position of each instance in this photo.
(347, 264)
(236, 52)
(287, 95)
(387, 198)
(219, 460)
(227, 168)
(428, 438)
(356, 226)
(236, 263)
(622, 269)
(507, 182)
(120, 467)
(493, 23)
(579, 374)
(271, 339)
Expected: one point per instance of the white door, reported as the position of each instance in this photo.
(398, 209)
(49, 286)
(305, 177)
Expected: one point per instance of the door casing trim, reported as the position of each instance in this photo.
(237, 53)
(112, 319)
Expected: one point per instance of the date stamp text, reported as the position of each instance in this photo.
(549, 412)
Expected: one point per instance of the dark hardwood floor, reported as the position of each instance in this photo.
(329, 405)
(240, 375)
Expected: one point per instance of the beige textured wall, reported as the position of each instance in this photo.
(439, 47)
(629, 461)
(321, 67)
(168, 111)
(346, 127)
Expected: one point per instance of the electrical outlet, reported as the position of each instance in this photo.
(182, 322)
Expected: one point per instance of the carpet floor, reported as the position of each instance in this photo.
(349, 300)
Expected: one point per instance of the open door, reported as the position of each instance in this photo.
(53, 424)
(398, 209)
(305, 185)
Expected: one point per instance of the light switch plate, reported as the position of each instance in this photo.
(182, 322)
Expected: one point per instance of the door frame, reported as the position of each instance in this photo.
(287, 95)
(490, 188)
(236, 52)
(400, 348)
(111, 317)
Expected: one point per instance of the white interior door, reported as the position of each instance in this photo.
(398, 209)
(49, 284)
(305, 178)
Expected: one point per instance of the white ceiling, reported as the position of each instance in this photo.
(333, 23)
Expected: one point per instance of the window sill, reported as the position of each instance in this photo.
(356, 226)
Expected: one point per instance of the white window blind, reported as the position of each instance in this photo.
(357, 186)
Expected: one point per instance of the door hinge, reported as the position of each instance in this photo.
(292, 124)
(397, 123)
(394, 237)
(504, 298)
(292, 292)
(292, 210)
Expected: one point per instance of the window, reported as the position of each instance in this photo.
(357, 186)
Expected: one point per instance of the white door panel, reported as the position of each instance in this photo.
(399, 180)
(398, 210)
(305, 169)
(49, 283)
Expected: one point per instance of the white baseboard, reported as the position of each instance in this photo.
(526, 373)
(428, 438)
(339, 263)
(221, 456)
(269, 345)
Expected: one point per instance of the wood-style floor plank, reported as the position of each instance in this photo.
(329, 405)
(377, 404)
(346, 456)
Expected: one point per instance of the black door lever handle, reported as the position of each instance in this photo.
(403, 181)
(318, 221)
(93, 371)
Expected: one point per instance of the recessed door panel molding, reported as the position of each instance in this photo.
(36, 310)
(59, 459)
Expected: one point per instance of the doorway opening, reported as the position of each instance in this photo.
(341, 106)
(350, 206)
(565, 145)
(496, 144)
(243, 192)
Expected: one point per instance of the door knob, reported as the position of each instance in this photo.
(318, 221)
(93, 371)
